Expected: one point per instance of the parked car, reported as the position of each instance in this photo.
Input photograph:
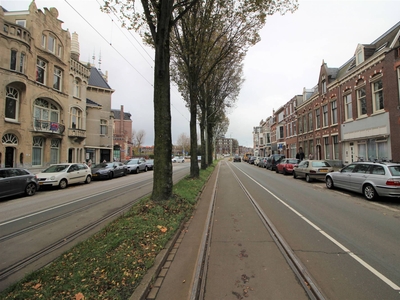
(371, 179)
(150, 164)
(136, 165)
(263, 162)
(286, 165)
(237, 158)
(62, 175)
(257, 161)
(251, 160)
(16, 181)
(312, 169)
(109, 170)
(178, 159)
(273, 160)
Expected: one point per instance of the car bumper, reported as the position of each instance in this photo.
(100, 176)
(388, 191)
(48, 182)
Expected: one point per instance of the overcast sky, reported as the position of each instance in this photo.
(286, 60)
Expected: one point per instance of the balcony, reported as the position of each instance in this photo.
(77, 133)
(46, 126)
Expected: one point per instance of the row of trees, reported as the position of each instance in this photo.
(201, 46)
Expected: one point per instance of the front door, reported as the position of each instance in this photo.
(10, 157)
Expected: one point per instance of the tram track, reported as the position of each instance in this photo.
(81, 231)
(199, 284)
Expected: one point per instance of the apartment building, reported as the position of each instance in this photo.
(353, 113)
(55, 109)
(122, 134)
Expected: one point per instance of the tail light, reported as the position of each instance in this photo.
(393, 182)
(313, 171)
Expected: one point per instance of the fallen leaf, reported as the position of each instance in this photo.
(79, 296)
(37, 286)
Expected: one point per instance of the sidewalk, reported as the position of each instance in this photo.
(243, 259)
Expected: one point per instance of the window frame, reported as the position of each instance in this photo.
(103, 127)
(318, 118)
(334, 111)
(374, 93)
(325, 117)
(51, 43)
(13, 60)
(57, 78)
(41, 65)
(76, 118)
(15, 100)
(363, 100)
(348, 107)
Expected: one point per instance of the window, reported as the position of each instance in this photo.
(13, 60)
(76, 118)
(5, 28)
(59, 50)
(21, 23)
(383, 152)
(304, 123)
(77, 88)
(44, 38)
(327, 148)
(323, 87)
(335, 139)
(41, 71)
(360, 56)
(22, 63)
(55, 151)
(361, 102)
(51, 45)
(12, 103)
(362, 151)
(312, 148)
(325, 115)
(334, 112)
(37, 151)
(300, 124)
(310, 121)
(57, 78)
(317, 118)
(281, 135)
(377, 95)
(348, 110)
(46, 115)
(103, 127)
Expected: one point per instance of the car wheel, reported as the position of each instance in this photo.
(88, 179)
(329, 182)
(276, 170)
(137, 171)
(145, 168)
(284, 171)
(308, 178)
(294, 175)
(110, 175)
(63, 184)
(30, 189)
(369, 192)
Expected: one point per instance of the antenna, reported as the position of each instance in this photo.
(100, 61)
(93, 58)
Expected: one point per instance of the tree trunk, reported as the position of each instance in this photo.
(162, 177)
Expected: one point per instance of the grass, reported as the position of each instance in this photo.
(112, 263)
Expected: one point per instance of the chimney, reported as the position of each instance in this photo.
(75, 47)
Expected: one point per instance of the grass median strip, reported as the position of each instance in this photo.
(112, 263)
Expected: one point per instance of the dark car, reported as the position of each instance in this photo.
(273, 160)
(251, 160)
(16, 181)
(237, 158)
(109, 170)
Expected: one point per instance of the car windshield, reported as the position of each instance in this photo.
(320, 164)
(395, 170)
(56, 169)
(292, 161)
(133, 162)
(103, 165)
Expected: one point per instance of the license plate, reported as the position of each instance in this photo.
(323, 170)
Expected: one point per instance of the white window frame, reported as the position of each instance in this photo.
(327, 153)
(103, 127)
(22, 62)
(377, 95)
(44, 40)
(318, 118)
(41, 65)
(57, 78)
(335, 144)
(55, 151)
(360, 99)
(76, 118)
(77, 88)
(348, 107)
(325, 113)
(13, 60)
(12, 100)
(37, 151)
(21, 23)
(51, 44)
(334, 115)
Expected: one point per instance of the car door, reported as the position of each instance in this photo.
(75, 175)
(5, 183)
(359, 175)
(302, 168)
(342, 179)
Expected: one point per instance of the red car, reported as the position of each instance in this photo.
(286, 165)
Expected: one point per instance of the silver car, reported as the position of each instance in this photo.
(15, 181)
(312, 169)
(136, 165)
(372, 179)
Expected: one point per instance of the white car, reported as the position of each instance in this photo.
(62, 175)
(178, 159)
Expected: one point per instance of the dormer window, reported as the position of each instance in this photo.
(359, 55)
(323, 86)
(21, 23)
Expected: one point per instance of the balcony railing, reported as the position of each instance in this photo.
(75, 132)
(48, 126)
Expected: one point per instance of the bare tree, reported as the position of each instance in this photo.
(184, 142)
(139, 138)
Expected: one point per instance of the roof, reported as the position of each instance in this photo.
(117, 114)
(92, 103)
(97, 79)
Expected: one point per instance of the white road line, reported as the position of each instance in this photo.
(363, 263)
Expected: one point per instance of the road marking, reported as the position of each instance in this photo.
(337, 243)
